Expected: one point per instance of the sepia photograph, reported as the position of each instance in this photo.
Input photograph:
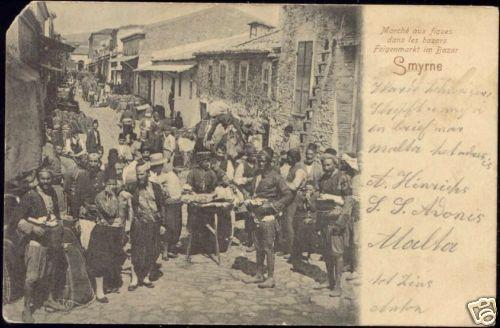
(182, 163)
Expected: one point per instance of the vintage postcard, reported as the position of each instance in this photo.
(250, 164)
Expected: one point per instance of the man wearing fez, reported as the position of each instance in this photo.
(96, 175)
(200, 180)
(148, 203)
(89, 183)
(332, 219)
(41, 226)
(270, 196)
(93, 142)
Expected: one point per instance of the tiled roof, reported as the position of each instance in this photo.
(263, 44)
(186, 51)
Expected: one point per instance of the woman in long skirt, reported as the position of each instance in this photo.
(105, 254)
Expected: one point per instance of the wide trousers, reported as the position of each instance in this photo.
(145, 246)
(173, 224)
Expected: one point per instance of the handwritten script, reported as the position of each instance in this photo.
(429, 159)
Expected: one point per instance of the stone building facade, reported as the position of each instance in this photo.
(318, 75)
(244, 77)
(246, 95)
(35, 58)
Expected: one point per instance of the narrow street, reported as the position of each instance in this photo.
(203, 292)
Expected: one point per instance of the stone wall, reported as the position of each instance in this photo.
(253, 102)
(329, 120)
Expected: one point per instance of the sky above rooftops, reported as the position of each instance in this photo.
(82, 17)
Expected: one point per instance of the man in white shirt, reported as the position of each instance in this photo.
(169, 146)
(147, 121)
(312, 166)
(129, 172)
(295, 180)
(172, 186)
(124, 150)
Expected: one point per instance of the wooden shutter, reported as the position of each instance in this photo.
(180, 84)
(303, 75)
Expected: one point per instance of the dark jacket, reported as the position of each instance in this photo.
(273, 187)
(160, 199)
(202, 181)
(32, 205)
(93, 143)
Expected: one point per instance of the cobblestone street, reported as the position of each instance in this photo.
(203, 292)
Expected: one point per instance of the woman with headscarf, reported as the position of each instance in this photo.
(113, 158)
(105, 254)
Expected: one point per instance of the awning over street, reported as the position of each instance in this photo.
(122, 58)
(164, 68)
(52, 68)
(56, 44)
(23, 135)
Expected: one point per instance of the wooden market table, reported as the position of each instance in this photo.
(213, 229)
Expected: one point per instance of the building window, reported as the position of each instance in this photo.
(180, 84)
(190, 89)
(222, 75)
(210, 75)
(303, 76)
(243, 76)
(266, 78)
(203, 110)
(253, 31)
(161, 80)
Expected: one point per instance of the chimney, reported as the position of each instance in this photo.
(258, 28)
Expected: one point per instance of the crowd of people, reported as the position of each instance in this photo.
(292, 201)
